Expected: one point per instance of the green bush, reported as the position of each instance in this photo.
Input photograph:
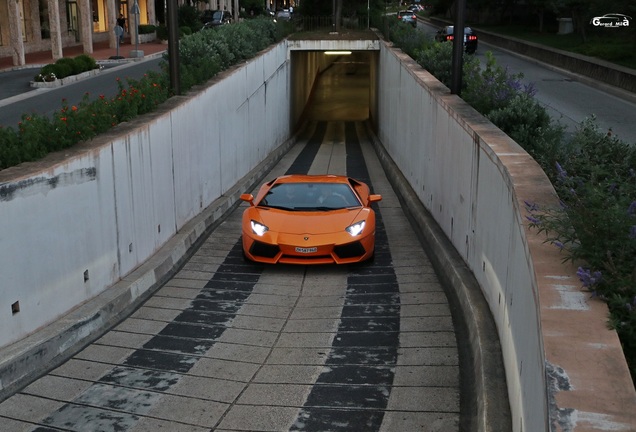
(86, 63)
(185, 31)
(206, 53)
(201, 60)
(73, 66)
(595, 226)
(62, 70)
(47, 73)
(528, 123)
(437, 59)
(147, 28)
(162, 32)
(65, 67)
(189, 16)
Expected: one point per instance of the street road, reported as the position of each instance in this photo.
(567, 99)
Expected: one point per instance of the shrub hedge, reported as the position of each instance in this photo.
(202, 55)
(65, 67)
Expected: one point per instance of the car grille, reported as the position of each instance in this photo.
(264, 250)
(349, 250)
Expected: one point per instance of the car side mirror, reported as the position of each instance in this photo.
(248, 198)
(374, 198)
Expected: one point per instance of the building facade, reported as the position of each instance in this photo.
(51, 25)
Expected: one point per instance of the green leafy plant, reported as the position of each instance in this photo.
(189, 16)
(203, 54)
(162, 32)
(147, 28)
(65, 67)
(38, 135)
(595, 225)
(206, 53)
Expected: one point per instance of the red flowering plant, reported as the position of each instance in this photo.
(139, 96)
(38, 135)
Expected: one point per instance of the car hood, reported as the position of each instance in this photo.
(315, 222)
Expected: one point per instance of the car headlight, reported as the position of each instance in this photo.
(258, 228)
(356, 228)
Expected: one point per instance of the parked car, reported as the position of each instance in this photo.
(216, 18)
(407, 16)
(470, 38)
(283, 15)
(416, 8)
(310, 219)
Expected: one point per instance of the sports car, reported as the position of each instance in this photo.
(310, 219)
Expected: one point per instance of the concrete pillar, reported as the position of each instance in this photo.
(111, 17)
(56, 31)
(150, 11)
(15, 33)
(86, 25)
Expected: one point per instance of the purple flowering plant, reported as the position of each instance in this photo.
(595, 224)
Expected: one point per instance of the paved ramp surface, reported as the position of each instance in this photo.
(227, 345)
(233, 346)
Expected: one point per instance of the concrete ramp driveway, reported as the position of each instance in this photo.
(227, 345)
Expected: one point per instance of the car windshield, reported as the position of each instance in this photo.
(218, 15)
(449, 30)
(310, 197)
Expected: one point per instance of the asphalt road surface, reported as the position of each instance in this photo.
(569, 99)
(227, 345)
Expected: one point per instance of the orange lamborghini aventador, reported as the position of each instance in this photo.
(310, 219)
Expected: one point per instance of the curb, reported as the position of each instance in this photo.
(67, 80)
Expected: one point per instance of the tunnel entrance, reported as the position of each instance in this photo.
(336, 84)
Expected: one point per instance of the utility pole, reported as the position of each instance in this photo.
(173, 47)
(458, 48)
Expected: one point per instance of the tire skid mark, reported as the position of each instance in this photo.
(353, 390)
(122, 396)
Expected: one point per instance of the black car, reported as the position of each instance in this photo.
(470, 38)
(215, 18)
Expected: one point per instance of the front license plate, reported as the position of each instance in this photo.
(306, 250)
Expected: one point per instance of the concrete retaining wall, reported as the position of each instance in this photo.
(559, 355)
(83, 219)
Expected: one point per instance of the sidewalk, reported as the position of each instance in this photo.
(101, 52)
